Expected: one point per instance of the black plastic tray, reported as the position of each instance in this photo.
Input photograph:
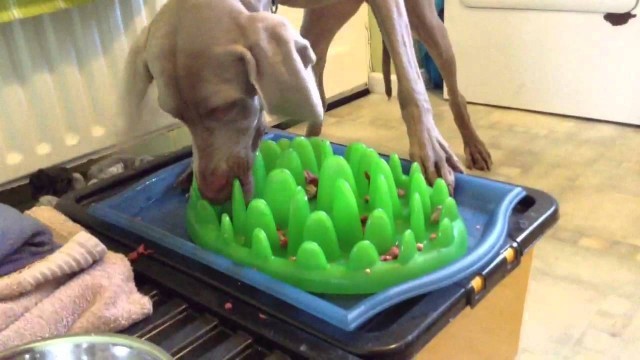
(399, 332)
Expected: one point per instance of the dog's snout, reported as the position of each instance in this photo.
(217, 185)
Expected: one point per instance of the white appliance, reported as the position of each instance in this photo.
(555, 56)
(58, 81)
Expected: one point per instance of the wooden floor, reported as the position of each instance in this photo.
(584, 295)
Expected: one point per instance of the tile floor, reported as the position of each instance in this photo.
(584, 296)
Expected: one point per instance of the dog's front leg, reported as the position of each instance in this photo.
(427, 147)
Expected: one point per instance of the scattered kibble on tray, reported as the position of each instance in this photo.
(333, 224)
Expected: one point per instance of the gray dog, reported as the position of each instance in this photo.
(216, 65)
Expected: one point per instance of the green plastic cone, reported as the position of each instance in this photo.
(364, 167)
(290, 160)
(278, 192)
(259, 175)
(284, 144)
(445, 234)
(319, 229)
(363, 256)
(260, 248)
(399, 177)
(380, 197)
(418, 185)
(378, 231)
(226, 230)
(259, 216)
(270, 153)
(381, 167)
(238, 207)
(322, 149)
(408, 249)
(346, 217)
(207, 215)
(450, 210)
(334, 168)
(417, 218)
(303, 148)
(299, 213)
(354, 154)
(311, 257)
(440, 193)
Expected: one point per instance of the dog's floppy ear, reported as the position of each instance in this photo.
(279, 63)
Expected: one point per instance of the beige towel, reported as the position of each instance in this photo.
(101, 299)
(62, 227)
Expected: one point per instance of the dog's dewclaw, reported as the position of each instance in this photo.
(435, 217)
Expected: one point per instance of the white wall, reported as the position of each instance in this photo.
(571, 63)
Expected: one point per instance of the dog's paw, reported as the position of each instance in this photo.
(477, 156)
(436, 160)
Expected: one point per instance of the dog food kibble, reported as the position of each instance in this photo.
(433, 236)
(393, 253)
(368, 271)
(228, 306)
(420, 247)
(364, 219)
(367, 199)
(310, 178)
(262, 316)
(293, 258)
(435, 217)
(312, 191)
(401, 193)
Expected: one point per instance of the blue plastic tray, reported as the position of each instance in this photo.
(154, 209)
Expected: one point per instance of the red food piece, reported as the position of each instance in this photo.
(262, 316)
(310, 178)
(284, 241)
(228, 306)
(137, 253)
(393, 253)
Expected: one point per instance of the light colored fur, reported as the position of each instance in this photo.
(217, 66)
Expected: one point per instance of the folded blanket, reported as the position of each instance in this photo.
(101, 299)
(62, 228)
(81, 288)
(78, 254)
(23, 240)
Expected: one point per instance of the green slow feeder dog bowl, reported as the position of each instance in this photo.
(368, 226)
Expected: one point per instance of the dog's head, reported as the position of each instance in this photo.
(269, 70)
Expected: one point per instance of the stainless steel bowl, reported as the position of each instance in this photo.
(87, 347)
